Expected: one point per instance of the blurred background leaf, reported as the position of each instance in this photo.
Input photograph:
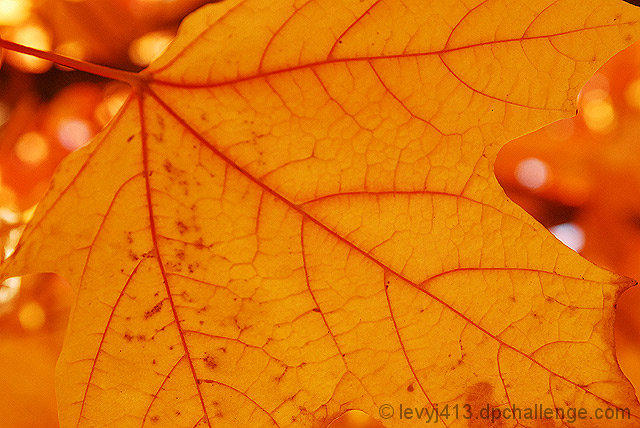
(580, 177)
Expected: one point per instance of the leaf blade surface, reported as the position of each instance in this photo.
(303, 219)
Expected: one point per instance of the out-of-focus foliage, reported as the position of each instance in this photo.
(32, 326)
(581, 177)
(102, 31)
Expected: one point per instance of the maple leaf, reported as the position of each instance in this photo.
(295, 214)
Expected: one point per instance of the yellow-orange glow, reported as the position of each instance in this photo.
(73, 49)
(32, 148)
(145, 49)
(32, 316)
(599, 115)
(8, 292)
(632, 94)
(14, 12)
(31, 35)
(12, 241)
(27, 215)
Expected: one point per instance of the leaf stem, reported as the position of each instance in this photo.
(133, 79)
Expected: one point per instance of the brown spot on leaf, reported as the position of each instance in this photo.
(480, 396)
(151, 312)
(210, 362)
(148, 254)
(200, 243)
(182, 228)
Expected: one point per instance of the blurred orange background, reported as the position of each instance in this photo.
(580, 177)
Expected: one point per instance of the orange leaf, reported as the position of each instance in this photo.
(295, 214)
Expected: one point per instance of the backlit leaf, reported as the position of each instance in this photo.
(295, 214)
